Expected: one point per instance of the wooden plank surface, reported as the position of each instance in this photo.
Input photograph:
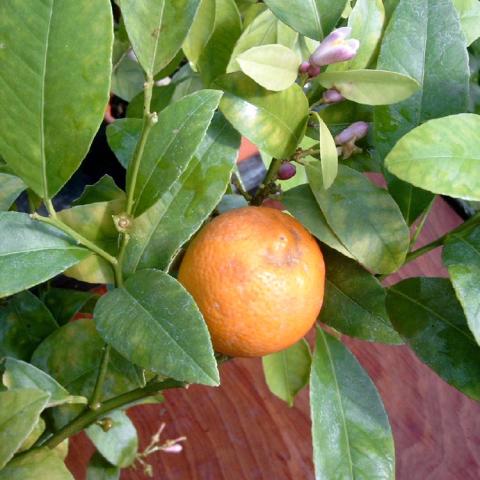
(240, 432)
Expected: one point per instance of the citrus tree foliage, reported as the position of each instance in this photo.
(328, 89)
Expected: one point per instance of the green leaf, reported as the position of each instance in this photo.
(65, 303)
(274, 67)
(441, 156)
(364, 218)
(120, 444)
(287, 372)
(461, 255)
(105, 190)
(301, 203)
(469, 12)
(37, 464)
(366, 21)
(265, 29)
(426, 21)
(201, 31)
(370, 87)
(19, 413)
(313, 18)
(94, 221)
(123, 136)
(350, 430)
(34, 435)
(161, 97)
(32, 252)
(159, 233)
(328, 154)
(428, 316)
(216, 55)
(20, 375)
(164, 330)
(72, 354)
(157, 29)
(274, 121)
(49, 51)
(128, 78)
(100, 469)
(24, 323)
(354, 302)
(10, 188)
(171, 144)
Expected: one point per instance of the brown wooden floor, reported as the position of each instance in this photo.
(240, 432)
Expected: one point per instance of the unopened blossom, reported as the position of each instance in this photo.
(335, 48)
(354, 132)
(332, 96)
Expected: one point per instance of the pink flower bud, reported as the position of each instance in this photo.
(354, 132)
(335, 48)
(332, 96)
(287, 170)
(304, 67)
(313, 71)
(177, 448)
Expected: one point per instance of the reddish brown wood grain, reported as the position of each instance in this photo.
(240, 432)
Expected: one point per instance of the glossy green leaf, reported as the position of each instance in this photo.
(265, 29)
(366, 21)
(94, 221)
(44, 133)
(461, 255)
(161, 97)
(288, 371)
(99, 469)
(171, 144)
(24, 323)
(105, 190)
(72, 355)
(441, 156)
(274, 121)
(65, 303)
(439, 62)
(313, 18)
(160, 231)
(19, 413)
(123, 136)
(469, 12)
(274, 67)
(186, 81)
(120, 444)
(157, 29)
(351, 434)
(364, 217)
(37, 464)
(354, 302)
(10, 188)
(328, 154)
(370, 87)
(227, 29)
(34, 435)
(19, 374)
(32, 252)
(301, 203)
(428, 316)
(163, 331)
(201, 31)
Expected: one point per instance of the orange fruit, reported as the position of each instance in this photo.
(258, 278)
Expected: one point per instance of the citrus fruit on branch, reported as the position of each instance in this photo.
(258, 278)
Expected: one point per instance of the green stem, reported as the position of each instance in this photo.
(56, 222)
(102, 373)
(422, 223)
(270, 177)
(149, 120)
(238, 185)
(88, 417)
